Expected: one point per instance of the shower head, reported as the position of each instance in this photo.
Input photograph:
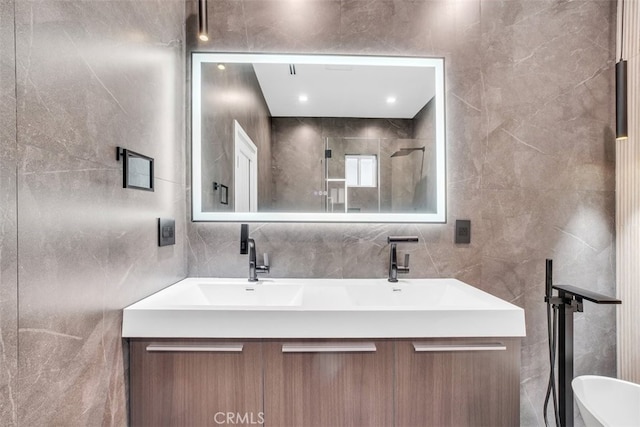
(406, 151)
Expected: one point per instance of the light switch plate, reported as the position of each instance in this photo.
(463, 231)
(166, 232)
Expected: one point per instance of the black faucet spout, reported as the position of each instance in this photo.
(248, 245)
(394, 268)
(393, 264)
(253, 276)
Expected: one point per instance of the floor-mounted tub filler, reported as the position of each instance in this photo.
(560, 309)
(605, 401)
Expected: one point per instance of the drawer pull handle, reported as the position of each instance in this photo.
(418, 347)
(237, 348)
(329, 348)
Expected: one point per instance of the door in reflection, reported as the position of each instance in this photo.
(245, 172)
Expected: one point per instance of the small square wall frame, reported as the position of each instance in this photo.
(137, 169)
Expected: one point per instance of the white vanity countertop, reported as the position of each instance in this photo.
(321, 308)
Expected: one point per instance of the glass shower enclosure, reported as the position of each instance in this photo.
(378, 175)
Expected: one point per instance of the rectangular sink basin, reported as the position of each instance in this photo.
(442, 295)
(321, 308)
(251, 295)
(229, 293)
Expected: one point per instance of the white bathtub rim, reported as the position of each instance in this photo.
(592, 412)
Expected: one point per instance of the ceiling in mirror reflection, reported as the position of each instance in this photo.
(358, 91)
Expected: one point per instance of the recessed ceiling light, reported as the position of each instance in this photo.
(303, 98)
(221, 67)
(391, 100)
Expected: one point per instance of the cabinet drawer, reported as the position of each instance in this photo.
(329, 383)
(195, 382)
(458, 382)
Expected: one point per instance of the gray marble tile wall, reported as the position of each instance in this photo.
(297, 149)
(424, 130)
(529, 154)
(219, 112)
(409, 176)
(90, 76)
(298, 155)
(8, 221)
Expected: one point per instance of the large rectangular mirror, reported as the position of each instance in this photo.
(317, 138)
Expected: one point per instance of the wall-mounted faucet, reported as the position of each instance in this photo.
(394, 268)
(248, 245)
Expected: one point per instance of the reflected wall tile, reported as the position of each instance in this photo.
(297, 164)
(298, 156)
(388, 128)
(232, 95)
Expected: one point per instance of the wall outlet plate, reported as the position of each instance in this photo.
(166, 232)
(463, 231)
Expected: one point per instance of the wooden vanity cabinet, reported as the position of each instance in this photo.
(322, 383)
(195, 382)
(457, 382)
(308, 383)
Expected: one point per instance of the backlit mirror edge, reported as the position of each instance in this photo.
(198, 58)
